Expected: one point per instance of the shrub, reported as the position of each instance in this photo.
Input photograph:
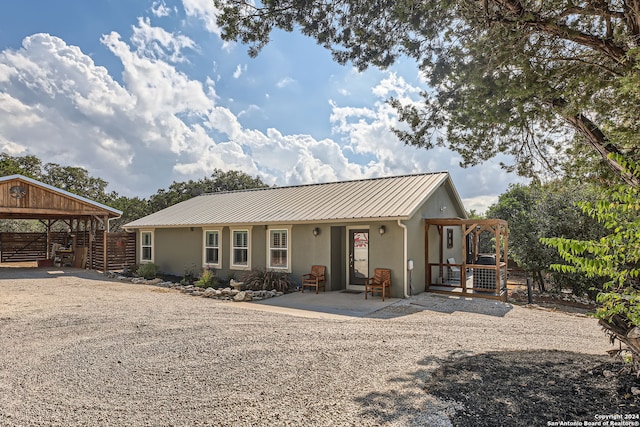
(148, 270)
(189, 275)
(207, 279)
(259, 280)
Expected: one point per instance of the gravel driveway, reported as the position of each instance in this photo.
(80, 350)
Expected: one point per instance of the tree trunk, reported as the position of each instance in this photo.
(596, 139)
(540, 279)
(619, 329)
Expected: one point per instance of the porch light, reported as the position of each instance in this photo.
(316, 231)
(382, 230)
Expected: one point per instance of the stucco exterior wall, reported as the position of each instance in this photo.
(177, 249)
(442, 204)
(308, 250)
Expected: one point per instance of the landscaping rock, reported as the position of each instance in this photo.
(226, 294)
(243, 296)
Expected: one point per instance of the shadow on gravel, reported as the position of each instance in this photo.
(515, 388)
(35, 273)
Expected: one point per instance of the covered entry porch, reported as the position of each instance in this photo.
(467, 257)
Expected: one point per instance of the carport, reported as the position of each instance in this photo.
(82, 225)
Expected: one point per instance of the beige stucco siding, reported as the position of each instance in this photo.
(308, 250)
(442, 197)
(177, 249)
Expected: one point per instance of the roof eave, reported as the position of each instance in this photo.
(240, 224)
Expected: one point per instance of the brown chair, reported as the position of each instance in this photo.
(380, 281)
(315, 279)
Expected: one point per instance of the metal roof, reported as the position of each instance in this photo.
(396, 197)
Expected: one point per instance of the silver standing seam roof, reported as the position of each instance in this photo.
(396, 197)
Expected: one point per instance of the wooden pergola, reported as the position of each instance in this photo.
(474, 274)
(23, 198)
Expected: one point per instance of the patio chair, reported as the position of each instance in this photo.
(380, 281)
(454, 270)
(315, 279)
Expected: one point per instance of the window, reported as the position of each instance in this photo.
(212, 247)
(240, 248)
(146, 246)
(278, 249)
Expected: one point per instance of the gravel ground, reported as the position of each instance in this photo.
(79, 350)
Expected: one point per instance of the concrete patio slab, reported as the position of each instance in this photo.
(333, 304)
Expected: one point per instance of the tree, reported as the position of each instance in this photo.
(519, 77)
(76, 180)
(132, 208)
(616, 257)
(218, 182)
(535, 211)
(29, 166)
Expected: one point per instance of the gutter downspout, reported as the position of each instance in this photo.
(404, 256)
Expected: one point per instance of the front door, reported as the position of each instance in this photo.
(358, 256)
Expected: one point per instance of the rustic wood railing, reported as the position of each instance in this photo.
(469, 279)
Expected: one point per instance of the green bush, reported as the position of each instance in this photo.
(259, 280)
(148, 270)
(207, 279)
(189, 275)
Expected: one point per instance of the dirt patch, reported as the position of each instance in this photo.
(516, 388)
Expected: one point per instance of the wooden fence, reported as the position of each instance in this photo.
(19, 247)
(121, 250)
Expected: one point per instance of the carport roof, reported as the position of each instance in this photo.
(397, 197)
(22, 197)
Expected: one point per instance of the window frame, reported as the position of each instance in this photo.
(205, 263)
(143, 246)
(287, 248)
(232, 248)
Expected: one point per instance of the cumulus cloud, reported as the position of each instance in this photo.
(157, 43)
(160, 9)
(160, 125)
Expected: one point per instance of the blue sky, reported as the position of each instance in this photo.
(145, 93)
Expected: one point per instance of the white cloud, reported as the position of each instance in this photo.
(480, 203)
(157, 43)
(239, 70)
(160, 9)
(284, 82)
(205, 11)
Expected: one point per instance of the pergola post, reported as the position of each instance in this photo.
(104, 244)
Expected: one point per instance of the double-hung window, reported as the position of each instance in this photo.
(279, 249)
(212, 248)
(240, 248)
(146, 246)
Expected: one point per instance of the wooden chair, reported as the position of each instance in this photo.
(315, 279)
(380, 281)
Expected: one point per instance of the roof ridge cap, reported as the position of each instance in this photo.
(315, 184)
